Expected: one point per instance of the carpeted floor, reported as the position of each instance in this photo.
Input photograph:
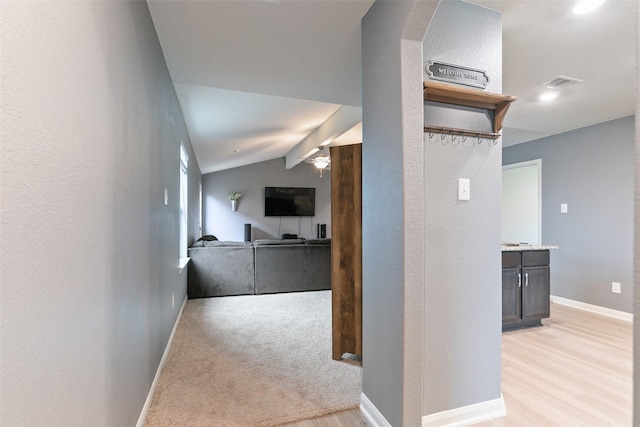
(259, 360)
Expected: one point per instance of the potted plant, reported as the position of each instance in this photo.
(234, 196)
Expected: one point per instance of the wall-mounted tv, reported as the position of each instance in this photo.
(289, 201)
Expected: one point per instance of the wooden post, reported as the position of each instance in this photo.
(346, 249)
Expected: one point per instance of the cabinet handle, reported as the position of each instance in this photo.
(519, 280)
(526, 279)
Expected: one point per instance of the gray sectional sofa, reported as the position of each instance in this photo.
(220, 268)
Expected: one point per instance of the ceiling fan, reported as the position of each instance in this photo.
(321, 160)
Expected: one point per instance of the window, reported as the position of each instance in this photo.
(200, 214)
(184, 198)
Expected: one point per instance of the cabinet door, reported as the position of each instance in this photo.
(535, 292)
(511, 301)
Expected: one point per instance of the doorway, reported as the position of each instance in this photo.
(522, 202)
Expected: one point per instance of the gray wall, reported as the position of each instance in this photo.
(636, 246)
(91, 130)
(432, 291)
(591, 169)
(250, 180)
(462, 238)
(392, 225)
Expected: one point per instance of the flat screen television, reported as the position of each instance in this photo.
(289, 201)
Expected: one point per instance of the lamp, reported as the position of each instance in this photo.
(321, 162)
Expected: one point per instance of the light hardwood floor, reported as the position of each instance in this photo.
(576, 370)
(352, 418)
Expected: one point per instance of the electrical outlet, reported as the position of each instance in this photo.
(615, 287)
(173, 300)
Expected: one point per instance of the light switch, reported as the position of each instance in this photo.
(166, 196)
(564, 208)
(464, 189)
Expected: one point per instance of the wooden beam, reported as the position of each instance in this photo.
(346, 249)
(345, 118)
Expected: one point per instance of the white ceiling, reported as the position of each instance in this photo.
(545, 39)
(259, 76)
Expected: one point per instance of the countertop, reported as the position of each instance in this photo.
(510, 247)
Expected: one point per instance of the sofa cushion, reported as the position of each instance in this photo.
(292, 268)
(317, 242)
(214, 243)
(221, 270)
(265, 242)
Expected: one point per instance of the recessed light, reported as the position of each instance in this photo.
(236, 151)
(586, 6)
(548, 96)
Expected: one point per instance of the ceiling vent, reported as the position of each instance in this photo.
(561, 82)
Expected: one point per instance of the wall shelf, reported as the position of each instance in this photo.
(448, 94)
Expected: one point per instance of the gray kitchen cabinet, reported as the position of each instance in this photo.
(525, 288)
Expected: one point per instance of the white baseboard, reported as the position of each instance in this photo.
(371, 413)
(616, 314)
(154, 384)
(467, 415)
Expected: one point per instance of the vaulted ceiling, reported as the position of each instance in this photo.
(255, 78)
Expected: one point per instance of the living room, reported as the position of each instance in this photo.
(250, 181)
(95, 128)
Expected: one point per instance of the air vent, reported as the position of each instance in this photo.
(561, 82)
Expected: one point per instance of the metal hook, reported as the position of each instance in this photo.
(453, 139)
